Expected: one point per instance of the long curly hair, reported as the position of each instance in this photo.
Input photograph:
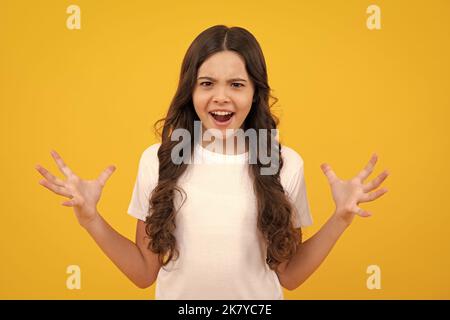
(274, 209)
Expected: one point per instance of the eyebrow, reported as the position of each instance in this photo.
(230, 80)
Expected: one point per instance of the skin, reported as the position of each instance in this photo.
(217, 88)
(138, 263)
(347, 196)
(141, 265)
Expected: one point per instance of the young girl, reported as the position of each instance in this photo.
(218, 228)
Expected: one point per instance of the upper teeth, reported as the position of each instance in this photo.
(221, 113)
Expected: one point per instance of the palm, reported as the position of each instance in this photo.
(84, 194)
(88, 193)
(347, 194)
(89, 190)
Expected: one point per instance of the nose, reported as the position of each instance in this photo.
(221, 97)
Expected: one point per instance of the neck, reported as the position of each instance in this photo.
(231, 145)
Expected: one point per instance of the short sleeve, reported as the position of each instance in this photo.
(295, 187)
(146, 181)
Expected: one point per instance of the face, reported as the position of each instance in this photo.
(223, 92)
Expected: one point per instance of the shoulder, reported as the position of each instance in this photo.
(292, 160)
(292, 170)
(149, 157)
(151, 151)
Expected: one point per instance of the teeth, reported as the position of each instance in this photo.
(221, 113)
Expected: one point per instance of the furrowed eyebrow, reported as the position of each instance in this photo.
(230, 80)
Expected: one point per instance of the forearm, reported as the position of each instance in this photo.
(313, 251)
(124, 253)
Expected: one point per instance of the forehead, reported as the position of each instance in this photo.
(224, 64)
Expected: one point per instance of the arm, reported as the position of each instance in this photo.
(346, 195)
(137, 262)
(310, 254)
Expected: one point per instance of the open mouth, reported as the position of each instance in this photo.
(222, 117)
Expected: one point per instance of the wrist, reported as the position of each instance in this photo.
(343, 220)
(89, 223)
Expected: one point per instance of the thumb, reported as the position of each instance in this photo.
(76, 200)
(361, 212)
(329, 173)
(104, 176)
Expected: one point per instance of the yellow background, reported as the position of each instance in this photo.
(345, 92)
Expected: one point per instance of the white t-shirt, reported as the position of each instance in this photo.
(222, 252)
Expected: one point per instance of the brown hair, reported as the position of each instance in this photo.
(274, 210)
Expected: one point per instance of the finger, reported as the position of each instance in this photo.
(61, 165)
(361, 212)
(77, 200)
(375, 183)
(70, 203)
(104, 176)
(329, 173)
(364, 173)
(50, 177)
(56, 189)
(374, 195)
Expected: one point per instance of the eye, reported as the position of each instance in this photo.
(238, 84)
(208, 82)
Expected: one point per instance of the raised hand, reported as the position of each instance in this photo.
(83, 194)
(347, 194)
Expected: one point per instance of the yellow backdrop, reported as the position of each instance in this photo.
(345, 91)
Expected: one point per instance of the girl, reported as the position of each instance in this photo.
(218, 228)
